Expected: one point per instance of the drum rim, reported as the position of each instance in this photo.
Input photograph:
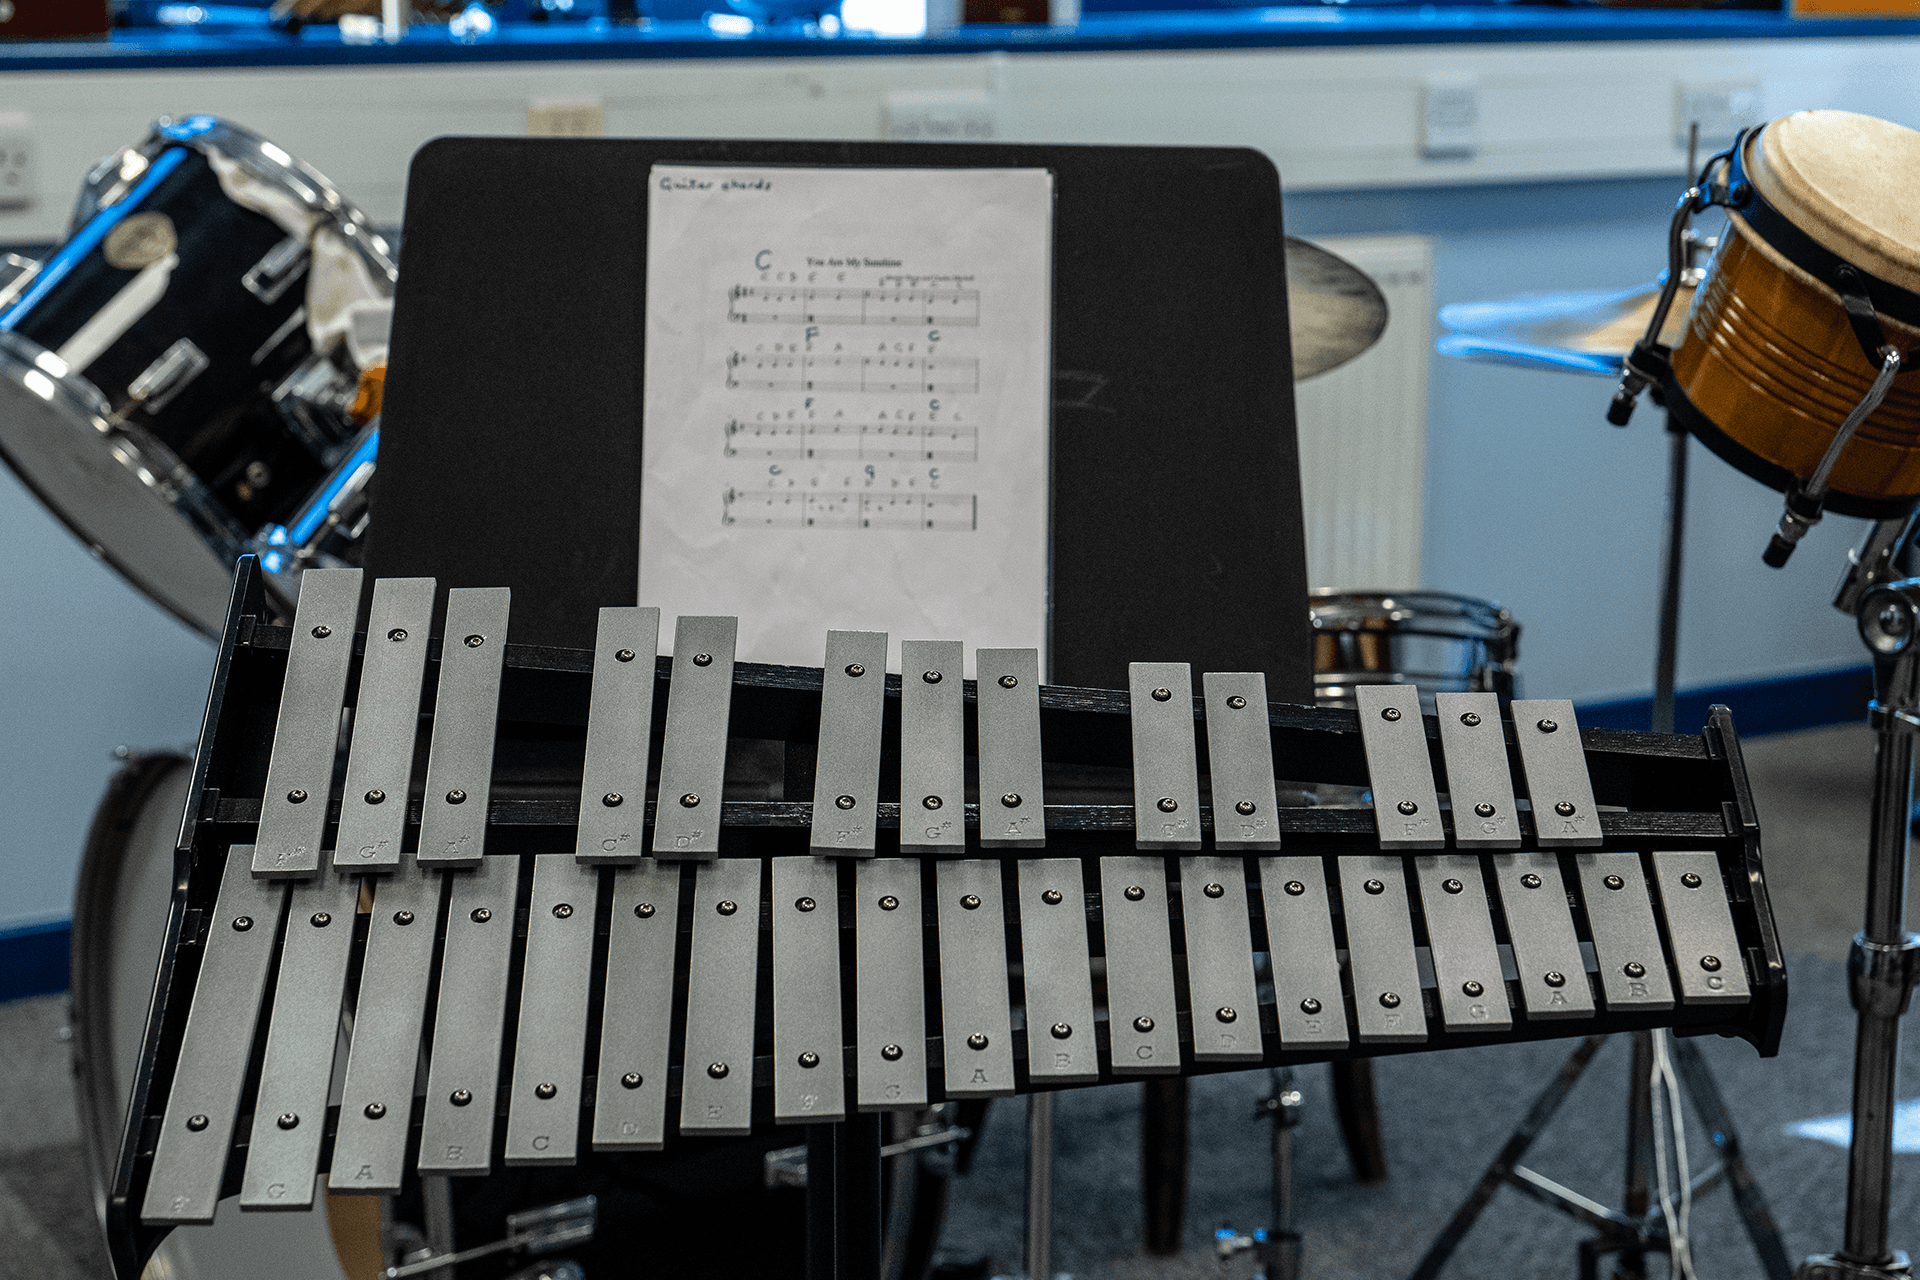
(1771, 474)
(1471, 607)
(149, 462)
(1822, 220)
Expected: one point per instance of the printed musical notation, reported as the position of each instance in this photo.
(853, 441)
(795, 304)
(895, 374)
(897, 512)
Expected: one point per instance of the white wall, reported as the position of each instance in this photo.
(1530, 497)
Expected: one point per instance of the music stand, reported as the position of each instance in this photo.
(511, 436)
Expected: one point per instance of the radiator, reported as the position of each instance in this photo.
(1363, 430)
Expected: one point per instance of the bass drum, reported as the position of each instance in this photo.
(681, 1209)
(119, 925)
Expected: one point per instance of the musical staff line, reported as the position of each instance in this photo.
(854, 441)
(749, 304)
(853, 373)
(935, 512)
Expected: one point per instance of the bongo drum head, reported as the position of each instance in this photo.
(101, 486)
(1851, 182)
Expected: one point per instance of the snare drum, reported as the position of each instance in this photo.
(1769, 365)
(177, 378)
(1442, 642)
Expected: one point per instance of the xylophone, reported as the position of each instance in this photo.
(518, 869)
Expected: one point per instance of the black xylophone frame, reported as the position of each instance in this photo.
(1656, 791)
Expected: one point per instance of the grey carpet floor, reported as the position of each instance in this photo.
(1445, 1116)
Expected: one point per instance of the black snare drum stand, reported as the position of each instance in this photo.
(1884, 964)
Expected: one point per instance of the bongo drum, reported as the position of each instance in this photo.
(1770, 363)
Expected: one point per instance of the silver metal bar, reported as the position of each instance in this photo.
(550, 1046)
(1311, 1007)
(889, 1000)
(1706, 951)
(453, 822)
(386, 721)
(643, 930)
(293, 811)
(1240, 756)
(1546, 951)
(1380, 955)
(716, 1083)
(1166, 771)
(809, 1061)
(1222, 995)
(693, 751)
(290, 1110)
(613, 782)
(463, 1075)
(846, 778)
(1626, 941)
(1479, 780)
(1142, 1008)
(1564, 814)
(1466, 960)
(976, 1021)
(933, 792)
(1012, 794)
(1399, 768)
(1056, 969)
(190, 1158)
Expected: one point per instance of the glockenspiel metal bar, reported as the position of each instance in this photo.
(1143, 1032)
(1479, 781)
(376, 1103)
(1310, 1005)
(1386, 974)
(1706, 949)
(386, 722)
(693, 752)
(809, 1068)
(1466, 958)
(933, 791)
(453, 821)
(613, 781)
(1546, 950)
(1558, 787)
(1240, 753)
(716, 1083)
(209, 1074)
(1626, 941)
(1012, 793)
(290, 1111)
(463, 1073)
(1399, 769)
(1166, 778)
(846, 778)
(1056, 969)
(1221, 993)
(550, 1044)
(293, 812)
(889, 999)
(976, 1018)
(636, 1021)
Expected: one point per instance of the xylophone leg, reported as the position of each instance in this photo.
(843, 1198)
(1163, 1162)
(1357, 1103)
(820, 1201)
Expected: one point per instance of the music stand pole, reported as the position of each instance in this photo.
(1885, 960)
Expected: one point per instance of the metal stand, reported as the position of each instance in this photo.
(1885, 961)
(1637, 1228)
(843, 1199)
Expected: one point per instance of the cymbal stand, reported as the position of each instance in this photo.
(1885, 961)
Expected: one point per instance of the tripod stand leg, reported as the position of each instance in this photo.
(1747, 1196)
(1501, 1169)
(1633, 1259)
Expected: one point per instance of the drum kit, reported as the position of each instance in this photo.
(175, 429)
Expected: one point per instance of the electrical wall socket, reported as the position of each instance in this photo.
(1722, 110)
(566, 118)
(1449, 119)
(16, 160)
(941, 115)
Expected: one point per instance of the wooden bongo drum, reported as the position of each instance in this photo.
(1771, 362)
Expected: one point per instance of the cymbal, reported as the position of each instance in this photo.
(1565, 332)
(1336, 310)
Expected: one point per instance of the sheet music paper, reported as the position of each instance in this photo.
(846, 411)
